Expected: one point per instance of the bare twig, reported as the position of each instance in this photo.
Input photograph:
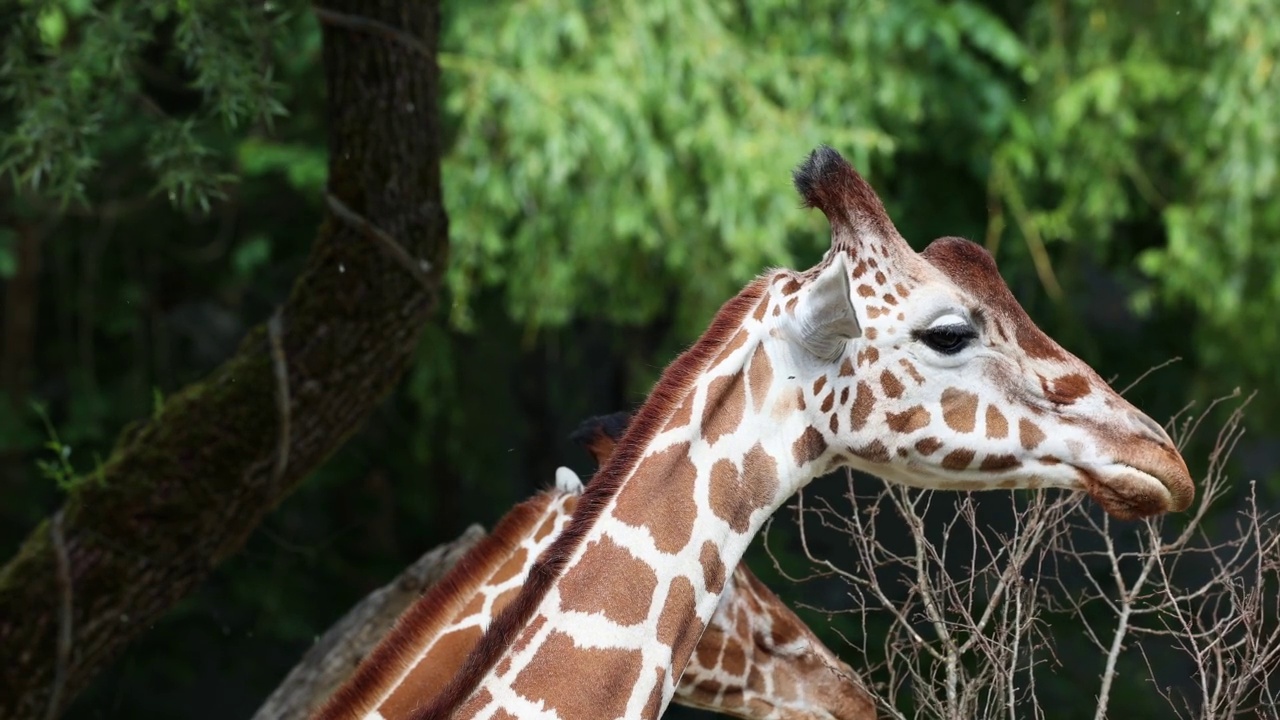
(1150, 370)
(417, 268)
(64, 616)
(967, 600)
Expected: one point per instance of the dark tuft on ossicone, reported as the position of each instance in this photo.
(612, 426)
(599, 434)
(826, 181)
(817, 175)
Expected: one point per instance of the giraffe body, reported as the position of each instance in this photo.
(919, 368)
(757, 660)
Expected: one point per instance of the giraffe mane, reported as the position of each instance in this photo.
(432, 612)
(676, 382)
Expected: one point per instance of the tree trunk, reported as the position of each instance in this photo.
(333, 657)
(182, 491)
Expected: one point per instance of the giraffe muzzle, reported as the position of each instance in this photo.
(1148, 477)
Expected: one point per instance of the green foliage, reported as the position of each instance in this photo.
(77, 73)
(619, 159)
(8, 263)
(59, 469)
(305, 166)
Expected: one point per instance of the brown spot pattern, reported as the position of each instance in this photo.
(624, 601)
(722, 411)
(911, 370)
(809, 446)
(669, 486)
(761, 306)
(678, 626)
(846, 368)
(512, 567)
(892, 386)
(996, 463)
(426, 678)
(909, 420)
(759, 376)
(928, 446)
(653, 705)
(863, 402)
(959, 409)
(1029, 434)
(553, 677)
(736, 342)
(734, 660)
(473, 706)
(708, 651)
(791, 287)
(873, 451)
(1069, 388)
(712, 567)
(819, 384)
(957, 459)
(735, 496)
(829, 401)
(866, 291)
(683, 414)
(997, 425)
(545, 529)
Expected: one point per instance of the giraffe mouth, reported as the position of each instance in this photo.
(1126, 492)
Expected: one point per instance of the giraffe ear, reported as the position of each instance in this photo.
(824, 316)
(567, 481)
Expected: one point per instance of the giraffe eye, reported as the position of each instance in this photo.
(947, 339)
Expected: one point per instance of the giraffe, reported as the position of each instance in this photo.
(920, 368)
(756, 661)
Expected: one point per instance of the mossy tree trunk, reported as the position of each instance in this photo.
(182, 491)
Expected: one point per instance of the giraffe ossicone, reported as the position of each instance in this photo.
(756, 661)
(920, 368)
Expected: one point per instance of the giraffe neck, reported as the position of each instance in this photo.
(620, 600)
(420, 653)
(759, 662)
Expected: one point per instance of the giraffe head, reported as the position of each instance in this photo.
(923, 369)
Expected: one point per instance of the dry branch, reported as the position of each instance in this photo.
(968, 600)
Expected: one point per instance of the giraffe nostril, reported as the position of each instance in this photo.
(1152, 428)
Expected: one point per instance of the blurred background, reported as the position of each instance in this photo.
(615, 171)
